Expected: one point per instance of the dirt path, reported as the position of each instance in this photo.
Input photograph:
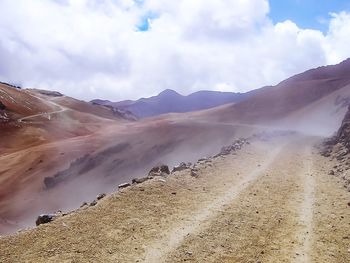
(273, 201)
(306, 211)
(45, 114)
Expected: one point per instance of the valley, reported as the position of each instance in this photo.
(273, 199)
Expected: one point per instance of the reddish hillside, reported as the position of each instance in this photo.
(20, 103)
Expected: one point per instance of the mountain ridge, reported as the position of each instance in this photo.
(170, 101)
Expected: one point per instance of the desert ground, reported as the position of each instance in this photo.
(271, 201)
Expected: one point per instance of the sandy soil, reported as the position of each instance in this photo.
(273, 201)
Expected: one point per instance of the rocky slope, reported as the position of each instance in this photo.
(343, 135)
(337, 149)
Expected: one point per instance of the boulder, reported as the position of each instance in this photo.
(125, 185)
(45, 218)
(182, 166)
(139, 180)
(100, 196)
(162, 170)
(93, 203)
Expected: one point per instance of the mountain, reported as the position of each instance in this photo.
(169, 101)
(317, 97)
(59, 151)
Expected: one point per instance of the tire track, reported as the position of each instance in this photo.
(302, 251)
(157, 252)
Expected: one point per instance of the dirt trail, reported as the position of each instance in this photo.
(271, 202)
(45, 114)
(157, 251)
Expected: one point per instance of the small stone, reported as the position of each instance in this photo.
(194, 173)
(100, 196)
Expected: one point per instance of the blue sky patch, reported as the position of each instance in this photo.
(312, 14)
(144, 24)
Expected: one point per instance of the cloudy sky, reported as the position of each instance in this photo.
(125, 49)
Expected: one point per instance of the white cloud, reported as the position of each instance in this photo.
(91, 48)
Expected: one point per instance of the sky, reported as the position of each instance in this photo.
(127, 49)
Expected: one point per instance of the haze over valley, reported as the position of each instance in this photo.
(179, 151)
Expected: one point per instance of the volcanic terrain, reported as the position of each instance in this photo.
(271, 197)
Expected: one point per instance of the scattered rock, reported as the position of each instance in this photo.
(84, 204)
(232, 148)
(100, 196)
(331, 172)
(45, 218)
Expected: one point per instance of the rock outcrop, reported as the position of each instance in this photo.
(161, 170)
(338, 148)
(45, 218)
(182, 166)
(343, 135)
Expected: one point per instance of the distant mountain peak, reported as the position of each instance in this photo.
(168, 92)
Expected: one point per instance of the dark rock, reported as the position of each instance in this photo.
(45, 218)
(181, 167)
(139, 180)
(100, 196)
(159, 171)
(331, 172)
(84, 204)
(2, 106)
(125, 185)
(164, 169)
(93, 203)
(194, 173)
